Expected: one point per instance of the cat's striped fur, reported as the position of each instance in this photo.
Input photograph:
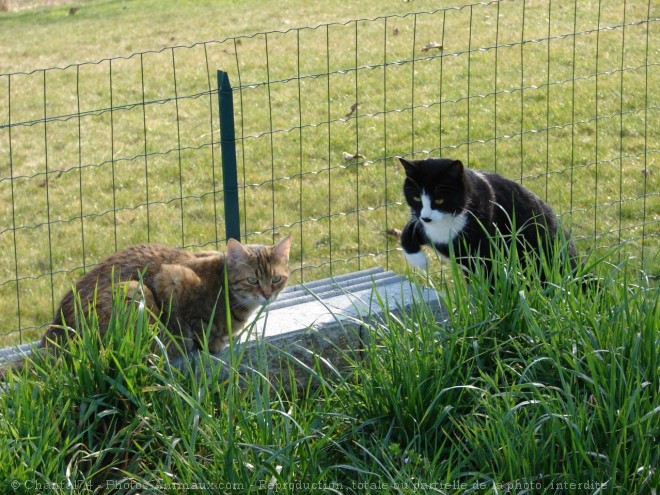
(184, 290)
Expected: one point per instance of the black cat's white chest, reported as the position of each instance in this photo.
(440, 227)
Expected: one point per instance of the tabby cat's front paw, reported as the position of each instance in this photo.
(418, 259)
(217, 344)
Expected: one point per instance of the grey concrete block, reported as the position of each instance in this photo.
(317, 324)
(14, 353)
(324, 325)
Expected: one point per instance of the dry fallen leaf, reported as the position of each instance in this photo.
(353, 109)
(394, 233)
(431, 46)
(348, 156)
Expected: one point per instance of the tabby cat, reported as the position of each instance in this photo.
(462, 208)
(184, 289)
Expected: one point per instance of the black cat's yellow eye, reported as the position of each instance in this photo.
(253, 280)
(276, 279)
(416, 199)
(439, 201)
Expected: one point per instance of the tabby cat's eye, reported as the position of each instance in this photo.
(253, 280)
(439, 201)
(416, 199)
(276, 279)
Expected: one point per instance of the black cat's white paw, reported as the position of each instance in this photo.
(418, 259)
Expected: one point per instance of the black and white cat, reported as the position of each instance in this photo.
(453, 205)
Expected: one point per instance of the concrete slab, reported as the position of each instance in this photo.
(14, 353)
(325, 324)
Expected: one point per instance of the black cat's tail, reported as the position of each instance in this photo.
(579, 269)
(587, 270)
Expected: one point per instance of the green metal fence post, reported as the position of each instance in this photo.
(228, 151)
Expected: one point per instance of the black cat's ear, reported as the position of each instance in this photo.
(410, 166)
(455, 168)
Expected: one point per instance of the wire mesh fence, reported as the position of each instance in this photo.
(98, 156)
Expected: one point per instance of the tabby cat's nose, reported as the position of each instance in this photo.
(426, 220)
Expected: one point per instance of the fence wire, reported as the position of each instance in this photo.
(98, 156)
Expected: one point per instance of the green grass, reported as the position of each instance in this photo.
(572, 118)
(548, 388)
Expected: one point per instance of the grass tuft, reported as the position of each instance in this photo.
(530, 388)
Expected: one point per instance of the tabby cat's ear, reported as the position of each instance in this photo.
(410, 166)
(281, 249)
(235, 250)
